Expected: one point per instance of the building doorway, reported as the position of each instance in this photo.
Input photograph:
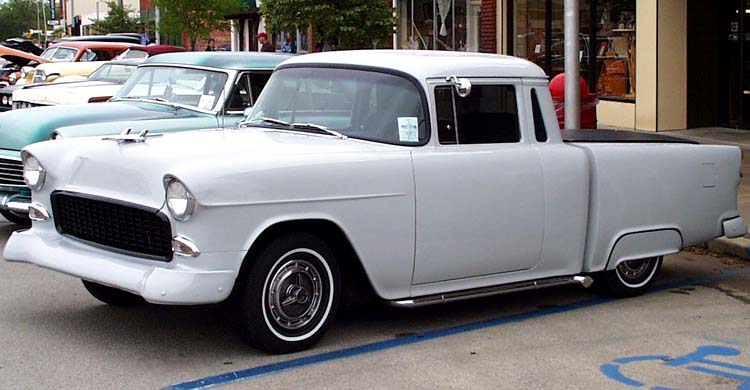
(718, 64)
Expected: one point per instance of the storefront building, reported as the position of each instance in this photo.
(655, 64)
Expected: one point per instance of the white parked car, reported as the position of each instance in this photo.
(96, 88)
(426, 177)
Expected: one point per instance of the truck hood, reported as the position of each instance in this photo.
(19, 128)
(66, 93)
(207, 161)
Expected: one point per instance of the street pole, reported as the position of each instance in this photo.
(72, 17)
(44, 20)
(156, 27)
(572, 66)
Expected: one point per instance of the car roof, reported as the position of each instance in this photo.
(93, 45)
(221, 59)
(158, 49)
(424, 64)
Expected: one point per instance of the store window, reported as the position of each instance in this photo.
(615, 51)
(440, 25)
(607, 63)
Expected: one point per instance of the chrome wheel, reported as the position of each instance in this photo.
(294, 294)
(637, 273)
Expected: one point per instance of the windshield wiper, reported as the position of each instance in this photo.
(319, 127)
(294, 126)
(264, 119)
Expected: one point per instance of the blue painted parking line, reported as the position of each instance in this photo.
(286, 365)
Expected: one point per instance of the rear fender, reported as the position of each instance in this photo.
(644, 244)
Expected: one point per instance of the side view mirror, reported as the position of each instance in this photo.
(462, 86)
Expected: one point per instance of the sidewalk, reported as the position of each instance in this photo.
(739, 247)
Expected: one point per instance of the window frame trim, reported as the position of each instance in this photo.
(518, 85)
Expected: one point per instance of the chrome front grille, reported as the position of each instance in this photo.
(11, 172)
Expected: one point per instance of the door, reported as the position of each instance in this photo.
(736, 40)
(479, 192)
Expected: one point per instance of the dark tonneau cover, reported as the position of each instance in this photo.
(620, 136)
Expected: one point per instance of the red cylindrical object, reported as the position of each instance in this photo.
(588, 102)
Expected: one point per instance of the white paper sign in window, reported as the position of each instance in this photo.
(407, 129)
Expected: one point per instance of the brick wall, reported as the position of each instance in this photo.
(488, 42)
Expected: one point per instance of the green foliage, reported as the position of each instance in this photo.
(344, 24)
(117, 20)
(196, 18)
(18, 16)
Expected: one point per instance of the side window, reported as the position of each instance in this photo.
(246, 91)
(539, 130)
(102, 55)
(88, 55)
(446, 116)
(488, 115)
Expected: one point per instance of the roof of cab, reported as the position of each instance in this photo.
(221, 59)
(424, 64)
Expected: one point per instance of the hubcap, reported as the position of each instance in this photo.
(294, 294)
(634, 269)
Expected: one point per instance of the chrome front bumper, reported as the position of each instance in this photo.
(173, 283)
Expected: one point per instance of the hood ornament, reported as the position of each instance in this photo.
(126, 136)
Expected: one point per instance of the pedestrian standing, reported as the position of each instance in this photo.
(264, 44)
(211, 45)
(288, 46)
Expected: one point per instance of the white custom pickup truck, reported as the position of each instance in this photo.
(425, 177)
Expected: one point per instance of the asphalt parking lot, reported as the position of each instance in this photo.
(691, 332)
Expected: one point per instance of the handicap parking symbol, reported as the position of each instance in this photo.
(705, 359)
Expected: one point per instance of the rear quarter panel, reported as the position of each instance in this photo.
(658, 187)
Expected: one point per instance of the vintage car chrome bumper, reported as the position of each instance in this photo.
(164, 283)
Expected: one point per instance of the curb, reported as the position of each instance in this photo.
(738, 247)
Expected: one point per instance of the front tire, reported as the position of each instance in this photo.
(112, 296)
(290, 294)
(631, 278)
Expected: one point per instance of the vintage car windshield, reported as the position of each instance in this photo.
(60, 54)
(361, 104)
(113, 72)
(191, 87)
(131, 54)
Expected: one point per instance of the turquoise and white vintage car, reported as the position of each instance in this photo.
(169, 92)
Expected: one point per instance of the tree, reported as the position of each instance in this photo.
(196, 18)
(18, 16)
(118, 19)
(345, 24)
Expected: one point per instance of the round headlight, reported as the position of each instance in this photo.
(4, 100)
(180, 201)
(33, 172)
(10, 100)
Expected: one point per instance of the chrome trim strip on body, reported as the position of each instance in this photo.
(584, 281)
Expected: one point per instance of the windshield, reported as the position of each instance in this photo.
(192, 87)
(131, 53)
(113, 72)
(357, 103)
(60, 54)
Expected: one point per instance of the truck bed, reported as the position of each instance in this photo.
(620, 136)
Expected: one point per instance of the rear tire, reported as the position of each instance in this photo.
(112, 296)
(631, 278)
(18, 219)
(290, 295)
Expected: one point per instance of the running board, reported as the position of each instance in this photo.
(584, 281)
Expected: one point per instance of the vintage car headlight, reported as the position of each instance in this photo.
(39, 76)
(12, 78)
(180, 201)
(4, 100)
(33, 172)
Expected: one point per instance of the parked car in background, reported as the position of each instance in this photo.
(425, 177)
(124, 38)
(168, 92)
(80, 52)
(141, 51)
(99, 87)
(16, 59)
